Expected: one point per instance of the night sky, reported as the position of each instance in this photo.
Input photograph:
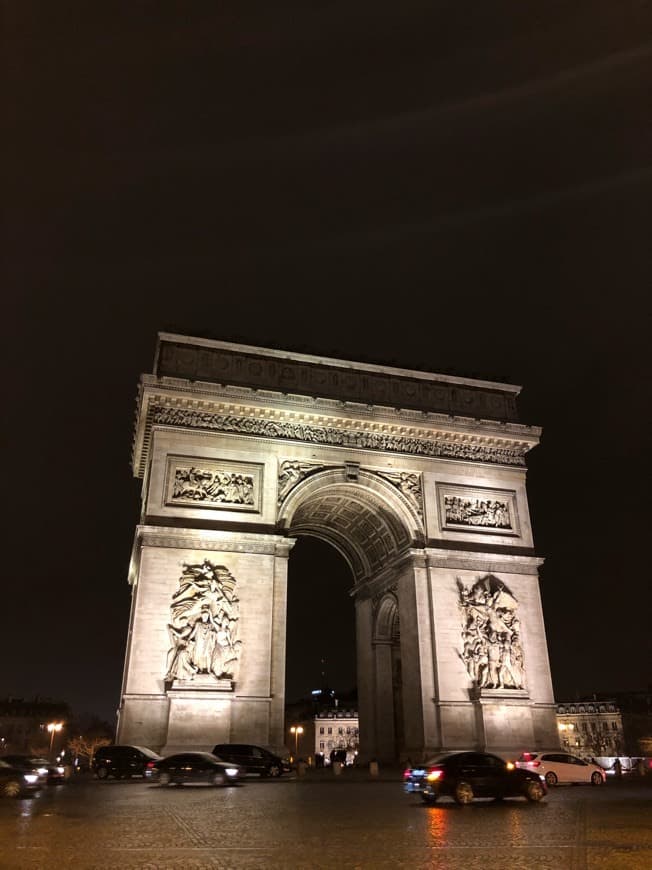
(456, 187)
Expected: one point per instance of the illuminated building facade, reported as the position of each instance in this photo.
(591, 729)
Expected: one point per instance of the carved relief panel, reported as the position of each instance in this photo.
(213, 484)
(491, 638)
(488, 511)
(203, 626)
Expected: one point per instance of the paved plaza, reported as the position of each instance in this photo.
(322, 821)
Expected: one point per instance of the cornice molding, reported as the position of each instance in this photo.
(461, 440)
(216, 541)
(486, 562)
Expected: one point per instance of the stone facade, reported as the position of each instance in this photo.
(591, 729)
(417, 479)
(336, 728)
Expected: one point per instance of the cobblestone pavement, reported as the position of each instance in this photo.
(322, 821)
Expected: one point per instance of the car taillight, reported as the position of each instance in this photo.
(534, 763)
(435, 773)
(407, 772)
(150, 765)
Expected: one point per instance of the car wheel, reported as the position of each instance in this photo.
(274, 770)
(164, 778)
(218, 779)
(551, 778)
(11, 788)
(428, 798)
(463, 793)
(534, 791)
(596, 778)
(102, 772)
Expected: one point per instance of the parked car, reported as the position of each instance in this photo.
(53, 773)
(467, 775)
(253, 759)
(193, 767)
(562, 767)
(122, 761)
(19, 781)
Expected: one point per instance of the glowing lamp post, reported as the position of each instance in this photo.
(53, 728)
(296, 730)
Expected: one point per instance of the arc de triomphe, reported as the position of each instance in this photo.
(417, 479)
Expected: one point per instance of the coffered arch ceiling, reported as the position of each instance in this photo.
(367, 530)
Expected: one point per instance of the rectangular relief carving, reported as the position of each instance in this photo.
(215, 484)
(476, 509)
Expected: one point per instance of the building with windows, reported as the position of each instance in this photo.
(336, 728)
(591, 728)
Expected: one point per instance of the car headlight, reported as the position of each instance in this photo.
(31, 778)
(231, 771)
(42, 770)
(60, 771)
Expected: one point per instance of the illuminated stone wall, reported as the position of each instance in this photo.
(429, 509)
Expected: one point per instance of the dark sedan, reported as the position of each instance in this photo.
(19, 781)
(464, 776)
(193, 767)
(53, 772)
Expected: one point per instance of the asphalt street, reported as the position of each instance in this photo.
(348, 821)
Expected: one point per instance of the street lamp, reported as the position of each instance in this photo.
(296, 730)
(53, 727)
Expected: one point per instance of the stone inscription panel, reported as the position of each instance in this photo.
(213, 484)
(486, 511)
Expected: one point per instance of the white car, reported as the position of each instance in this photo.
(559, 766)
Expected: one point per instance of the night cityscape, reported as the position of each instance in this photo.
(330, 389)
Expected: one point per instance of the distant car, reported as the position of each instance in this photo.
(558, 767)
(19, 781)
(53, 773)
(253, 759)
(193, 767)
(467, 775)
(122, 762)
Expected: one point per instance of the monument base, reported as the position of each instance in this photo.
(200, 714)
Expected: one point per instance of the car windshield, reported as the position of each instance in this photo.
(147, 752)
(436, 759)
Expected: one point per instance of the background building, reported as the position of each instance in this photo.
(24, 725)
(337, 728)
(591, 728)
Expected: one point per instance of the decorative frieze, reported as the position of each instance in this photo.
(262, 369)
(491, 642)
(437, 446)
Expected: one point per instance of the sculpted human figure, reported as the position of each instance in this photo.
(204, 635)
(494, 651)
(491, 648)
(179, 664)
(203, 626)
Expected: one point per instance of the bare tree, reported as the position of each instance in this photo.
(87, 746)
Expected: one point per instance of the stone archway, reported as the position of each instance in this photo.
(418, 480)
(373, 525)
